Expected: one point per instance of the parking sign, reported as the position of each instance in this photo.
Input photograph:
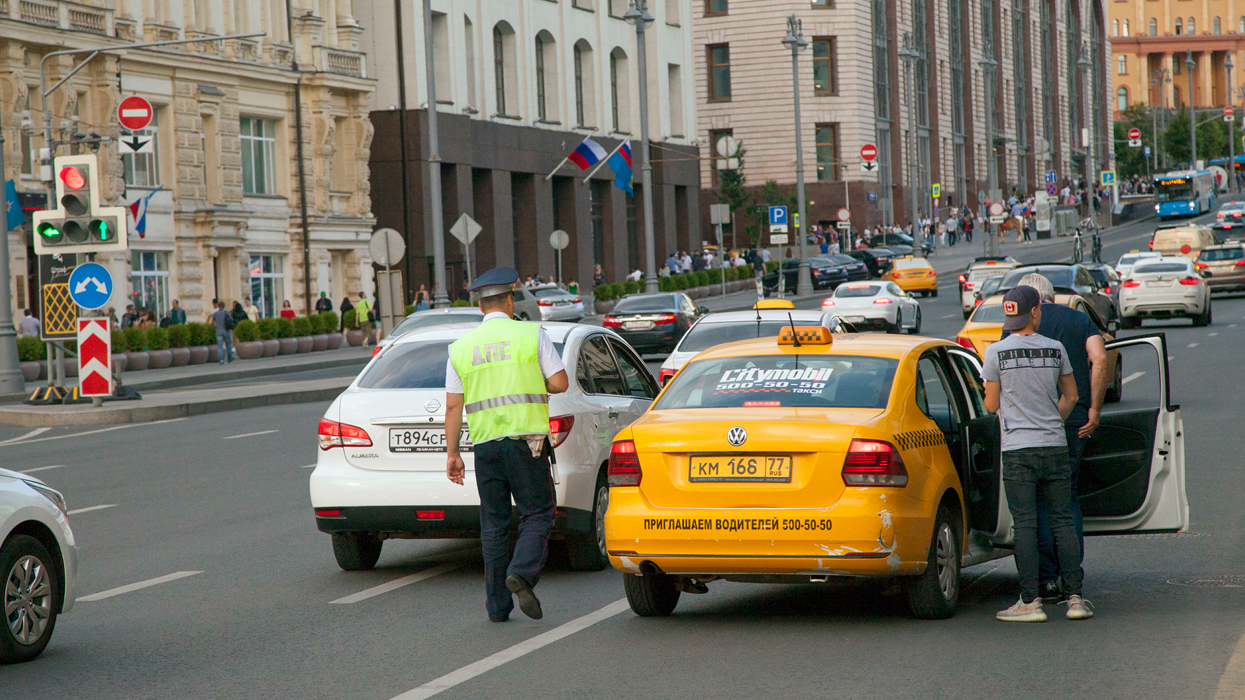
(1051, 177)
(778, 219)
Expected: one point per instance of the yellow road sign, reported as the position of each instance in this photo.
(60, 313)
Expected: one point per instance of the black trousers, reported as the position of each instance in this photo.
(505, 468)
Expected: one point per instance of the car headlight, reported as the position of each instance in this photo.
(49, 493)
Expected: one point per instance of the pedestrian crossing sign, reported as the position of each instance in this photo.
(1108, 178)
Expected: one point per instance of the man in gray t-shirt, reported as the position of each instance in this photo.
(1029, 383)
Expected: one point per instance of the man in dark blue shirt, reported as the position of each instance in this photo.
(1088, 355)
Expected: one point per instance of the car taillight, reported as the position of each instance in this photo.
(560, 429)
(1129, 284)
(575, 300)
(611, 322)
(873, 463)
(930, 273)
(376, 351)
(328, 512)
(963, 279)
(334, 434)
(1151, 244)
(624, 466)
(1200, 266)
(1191, 281)
(665, 319)
(964, 343)
(1240, 263)
(430, 514)
(544, 302)
(968, 285)
(883, 300)
(1106, 289)
(666, 375)
(827, 302)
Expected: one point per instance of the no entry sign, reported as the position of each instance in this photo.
(868, 152)
(1134, 133)
(134, 113)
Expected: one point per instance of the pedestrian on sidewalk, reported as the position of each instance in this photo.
(223, 321)
(324, 303)
(238, 313)
(363, 312)
(1030, 385)
(177, 315)
(29, 326)
(286, 310)
(252, 311)
(346, 306)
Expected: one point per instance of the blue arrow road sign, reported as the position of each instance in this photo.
(1051, 177)
(777, 216)
(90, 286)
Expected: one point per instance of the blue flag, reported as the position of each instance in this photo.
(620, 162)
(16, 217)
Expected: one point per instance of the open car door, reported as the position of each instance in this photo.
(1132, 476)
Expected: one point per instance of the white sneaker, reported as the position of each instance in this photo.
(1079, 608)
(1023, 612)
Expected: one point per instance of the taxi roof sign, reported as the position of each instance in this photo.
(807, 335)
(773, 304)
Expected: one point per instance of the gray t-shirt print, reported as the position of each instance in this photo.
(1028, 367)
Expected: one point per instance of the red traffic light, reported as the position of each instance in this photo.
(72, 178)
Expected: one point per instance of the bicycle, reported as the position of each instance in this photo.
(1078, 253)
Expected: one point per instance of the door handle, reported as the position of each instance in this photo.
(612, 413)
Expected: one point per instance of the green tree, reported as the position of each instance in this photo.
(1212, 138)
(732, 190)
(1129, 161)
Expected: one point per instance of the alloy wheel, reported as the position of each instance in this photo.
(603, 504)
(27, 600)
(945, 557)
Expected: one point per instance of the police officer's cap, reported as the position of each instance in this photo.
(499, 280)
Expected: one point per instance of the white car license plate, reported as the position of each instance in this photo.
(854, 319)
(1158, 283)
(424, 440)
(637, 325)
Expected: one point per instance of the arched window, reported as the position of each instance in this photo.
(1176, 99)
(1121, 64)
(582, 54)
(1190, 27)
(619, 91)
(1154, 27)
(1216, 26)
(499, 69)
(1115, 27)
(1121, 99)
(1240, 25)
(1125, 27)
(1179, 26)
(546, 60)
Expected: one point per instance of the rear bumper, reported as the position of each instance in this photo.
(459, 522)
(1226, 282)
(1162, 308)
(659, 337)
(928, 284)
(562, 313)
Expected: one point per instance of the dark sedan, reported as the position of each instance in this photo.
(1067, 279)
(856, 270)
(653, 322)
(878, 260)
(824, 274)
(901, 243)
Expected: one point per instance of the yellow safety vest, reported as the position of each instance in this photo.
(503, 388)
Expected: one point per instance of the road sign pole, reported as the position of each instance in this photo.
(11, 380)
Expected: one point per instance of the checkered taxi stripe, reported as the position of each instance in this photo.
(919, 438)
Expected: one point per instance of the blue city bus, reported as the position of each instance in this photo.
(1184, 193)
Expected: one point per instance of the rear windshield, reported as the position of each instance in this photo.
(856, 290)
(706, 335)
(1222, 254)
(980, 273)
(415, 323)
(835, 381)
(1160, 267)
(1131, 259)
(1176, 239)
(1098, 274)
(550, 292)
(912, 264)
(989, 314)
(1058, 276)
(660, 302)
(418, 365)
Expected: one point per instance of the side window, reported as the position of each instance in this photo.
(894, 289)
(636, 376)
(606, 378)
(932, 386)
(581, 373)
(517, 295)
(972, 381)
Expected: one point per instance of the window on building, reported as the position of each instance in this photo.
(583, 4)
(143, 169)
(579, 86)
(1190, 27)
(1176, 61)
(267, 284)
(827, 151)
(823, 66)
(824, 4)
(672, 12)
(1121, 99)
(674, 83)
(30, 146)
(499, 69)
(1154, 26)
(719, 72)
(259, 143)
(617, 7)
(1115, 27)
(469, 56)
(619, 90)
(716, 7)
(1215, 27)
(1121, 64)
(1125, 29)
(718, 160)
(614, 91)
(1179, 26)
(1240, 25)
(541, 114)
(149, 276)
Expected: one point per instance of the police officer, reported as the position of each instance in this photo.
(502, 373)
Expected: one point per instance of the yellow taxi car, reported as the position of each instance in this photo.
(809, 456)
(914, 274)
(985, 326)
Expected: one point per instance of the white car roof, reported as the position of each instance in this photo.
(556, 330)
(766, 315)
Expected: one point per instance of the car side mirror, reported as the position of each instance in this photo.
(1113, 327)
(702, 310)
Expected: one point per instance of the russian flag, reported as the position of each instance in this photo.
(620, 163)
(587, 154)
(138, 209)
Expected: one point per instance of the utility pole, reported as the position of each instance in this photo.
(991, 244)
(639, 16)
(1227, 63)
(909, 55)
(1091, 170)
(1162, 77)
(11, 380)
(796, 41)
(1190, 65)
(441, 299)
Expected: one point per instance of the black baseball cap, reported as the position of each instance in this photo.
(1017, 303)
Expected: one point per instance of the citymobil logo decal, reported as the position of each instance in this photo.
(1011, 308)
(736, 436)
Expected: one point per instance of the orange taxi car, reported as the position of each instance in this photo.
(914, 274)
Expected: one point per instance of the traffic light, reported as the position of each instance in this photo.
(79, 223)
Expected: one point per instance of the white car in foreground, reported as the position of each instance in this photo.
(1164, 288)
(875, 305)
(727, 327)
(39, 562)
(381, 468)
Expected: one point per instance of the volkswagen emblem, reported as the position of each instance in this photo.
(432, 406)
(736, 436)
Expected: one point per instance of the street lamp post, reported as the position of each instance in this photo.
(796, 41)
(441, 297)
(1227, 63)
(11, 380)
(1190, 65)
(1162, 77)
(1087, 88)
(909, 55)
(638, 15)
(991, 243)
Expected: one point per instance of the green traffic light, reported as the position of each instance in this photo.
(49, 230)
(100, 228)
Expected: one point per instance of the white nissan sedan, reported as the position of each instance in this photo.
(381, 468)
(875, 305)
(1169, 287)
(39, 562)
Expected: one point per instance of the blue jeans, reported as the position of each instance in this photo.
(1024, 472)
(506, 468)
(224, 347)
(1048, 565)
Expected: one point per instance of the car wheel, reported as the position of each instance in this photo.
(586, 550)
(654, 595)
(523, 316)
(31, 594)
(967, 314)
(935, 593)
(916, 328)
(1116, 391)
(356, 551)
(1130, 322)
(934, 293)
(1202, 319)
(898, 327)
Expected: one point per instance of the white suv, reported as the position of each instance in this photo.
(38, 561)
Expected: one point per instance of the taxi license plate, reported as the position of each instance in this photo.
(424, 440)
(854, 319)
(739, 468)
(637, 325)
(1158, 283)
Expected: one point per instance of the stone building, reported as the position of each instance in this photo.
(224, 220)
(857, 87)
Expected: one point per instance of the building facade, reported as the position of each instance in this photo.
(1152, 42)
(922, 106)
(225, 219)
(518, 86)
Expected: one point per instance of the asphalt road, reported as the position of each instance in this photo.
(222, 500)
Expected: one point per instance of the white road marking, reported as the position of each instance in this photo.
(91, 508)
(42, 469)
(36, 431)
(1192, 345)
(262, 432)
(949, 316)
(519, 650)
(1132, 376)
(1211, 335)
(1231, 325)
(92, 432)
(308, 466)
(397, 583)
(1232, 682)
(137, 586)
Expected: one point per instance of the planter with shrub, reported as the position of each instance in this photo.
(158, 353)
(301, 327)
(246, 341)
(603, 298)
(331, 326)
(136, 358)
(33, 358)
(288, 342)
(354, 336)
(119, 357)
(202, 336)
(319, 338)
(269, 332)
(179, 339)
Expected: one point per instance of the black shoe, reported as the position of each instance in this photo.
(499, 618)
(1051, 593)
(522, 590)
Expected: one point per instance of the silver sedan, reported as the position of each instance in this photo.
(879, 305)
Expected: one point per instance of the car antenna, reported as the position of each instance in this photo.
(795, 337)
(758, 310)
